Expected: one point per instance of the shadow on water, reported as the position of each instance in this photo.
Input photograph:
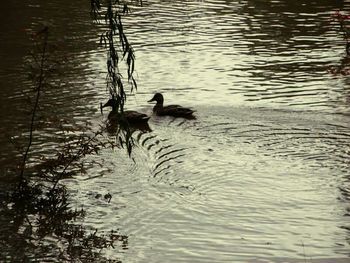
(38, 221)
(69, 97)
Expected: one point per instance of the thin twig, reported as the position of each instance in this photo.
(36, 104)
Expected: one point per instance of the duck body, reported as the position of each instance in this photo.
(170, 110)
(132, 117)
(129, 115)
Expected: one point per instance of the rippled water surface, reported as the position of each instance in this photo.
(262, 174)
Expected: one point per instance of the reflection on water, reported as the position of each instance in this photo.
(235, 188)
(262, 175)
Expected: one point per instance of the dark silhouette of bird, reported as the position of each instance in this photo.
(132, 117)
(170, 110)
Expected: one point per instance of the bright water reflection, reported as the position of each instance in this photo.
(253, 53)
(257, 184)
(262, 174)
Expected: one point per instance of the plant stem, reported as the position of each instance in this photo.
(36, 104)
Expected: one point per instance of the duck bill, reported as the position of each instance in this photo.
(151, 100)
(107, 104)
(104, 106)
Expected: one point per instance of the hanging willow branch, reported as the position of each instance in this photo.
(119, 49)
(116, 52)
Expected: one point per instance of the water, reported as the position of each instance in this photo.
(262, 175)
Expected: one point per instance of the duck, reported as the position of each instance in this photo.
(132, 117)
(170, 110)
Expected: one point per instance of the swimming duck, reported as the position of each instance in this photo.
(132, 117)
(170, 110)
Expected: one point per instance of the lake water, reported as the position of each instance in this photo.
(262, 174)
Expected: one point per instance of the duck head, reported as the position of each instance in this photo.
(158, 97)
(111, 103)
